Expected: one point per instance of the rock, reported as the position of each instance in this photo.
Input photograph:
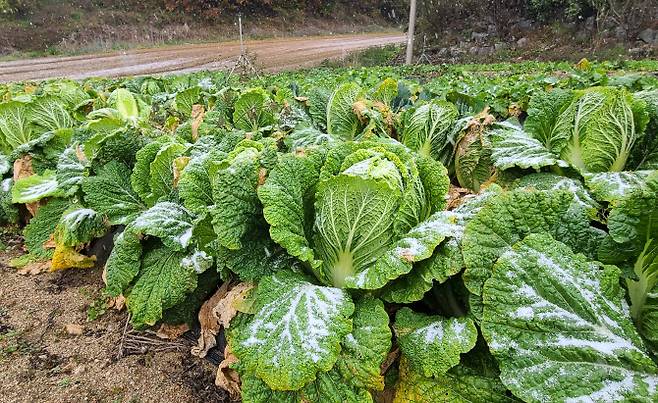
(74, 329)
(523, 25)
(479, 36)
(620, 33)
(485, 51)
(499, 46)
(649, 36)
(523, 42)
(589, 23)
(635, 51)
(78, 370)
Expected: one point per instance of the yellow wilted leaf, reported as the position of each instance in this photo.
(66, 257)
(179, 164)
(583, 64)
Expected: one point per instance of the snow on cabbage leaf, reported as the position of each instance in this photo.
(612, 186)
(633, 243)
(295, 333)
(509, 217)
(157, 278)
(432, 344)
(559, 326)
(34, 188)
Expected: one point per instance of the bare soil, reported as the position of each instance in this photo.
(270, 55)
(50, 350)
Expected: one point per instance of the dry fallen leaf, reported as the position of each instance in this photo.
(171, 332)
(35, 268)
(74, 329)
(50, 243)
(228, 307)
(117, 303)
(228, 378)
(455, 196)
(209, 323)
(217, 312)
(23, 169)
(262, 176)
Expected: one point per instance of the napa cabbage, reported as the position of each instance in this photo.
(359, 215)
(632, 243)
(593, 130)
(428, 129)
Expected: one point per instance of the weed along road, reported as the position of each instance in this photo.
(271, 55)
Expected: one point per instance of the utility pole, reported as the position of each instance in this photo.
(411, 32)
(241, 40)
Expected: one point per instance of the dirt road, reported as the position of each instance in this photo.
(271, 55)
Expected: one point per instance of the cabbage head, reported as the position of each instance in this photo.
(360, 214)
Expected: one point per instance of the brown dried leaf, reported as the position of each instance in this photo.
(455, 196)
(390, 359)
(262, 176)
(228, 307)
(117, 303)
(23, 169)
(227, 378)
(171, 332)
(198, 113)
(209, 323)
(35, 268)
(360, 109)
(50, 243)
(80, 154)
(217, 312)
(385, 396)
(179, 165)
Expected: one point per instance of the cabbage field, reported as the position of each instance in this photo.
(412, 234)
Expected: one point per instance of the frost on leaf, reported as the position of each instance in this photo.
(35, 188)
(169, 221)
(417, 245)
(612, 186)
(513, 147)
(510, 216)
(560, 329)
(432, 344)
(295, 332)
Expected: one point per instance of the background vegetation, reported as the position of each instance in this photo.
(79, 26)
